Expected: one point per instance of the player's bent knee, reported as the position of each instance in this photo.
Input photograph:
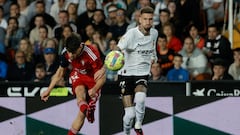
(141, 88)
(140, 97)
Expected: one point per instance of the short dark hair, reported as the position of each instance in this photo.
(73, 42)
(161, 35)
(147, 10)
(236, 49)
(164, 10)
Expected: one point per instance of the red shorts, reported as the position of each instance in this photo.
(80, 79)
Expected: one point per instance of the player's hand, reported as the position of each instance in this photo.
(45, 95)
(99, 74)
(92, 93)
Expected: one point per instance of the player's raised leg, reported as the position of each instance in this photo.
(82, 104)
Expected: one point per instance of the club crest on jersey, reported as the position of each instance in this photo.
(82, 62)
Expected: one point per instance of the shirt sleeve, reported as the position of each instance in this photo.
(63, 61)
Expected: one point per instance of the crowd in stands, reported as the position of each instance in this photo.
(190, 45)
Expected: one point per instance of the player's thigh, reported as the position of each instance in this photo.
(127, 100)
(80, 92)
(140, 88)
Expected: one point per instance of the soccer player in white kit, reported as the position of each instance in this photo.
(138, 46)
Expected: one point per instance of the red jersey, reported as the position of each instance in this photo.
(83, 67)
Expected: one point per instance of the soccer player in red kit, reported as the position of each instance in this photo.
(87, 77)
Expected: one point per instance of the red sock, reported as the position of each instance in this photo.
(83, 106)
(72, 132)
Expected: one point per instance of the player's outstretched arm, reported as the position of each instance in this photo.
(99, 82)
(56, 78)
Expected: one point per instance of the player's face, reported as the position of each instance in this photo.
(146, 21)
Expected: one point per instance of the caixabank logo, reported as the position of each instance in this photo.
(216, 92)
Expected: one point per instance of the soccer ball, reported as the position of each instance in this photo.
(114, 60)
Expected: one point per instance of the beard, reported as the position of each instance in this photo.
(147, 29)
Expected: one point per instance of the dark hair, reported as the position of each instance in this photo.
(236, 49)
(214, 26)
(44, 27)
(178, 55)
(13, 18)
(166, 10)
(73, 42)
(40, 66)
(147, 10)
(63, 11)
(219, 62)
(161, 35)
(40, 2)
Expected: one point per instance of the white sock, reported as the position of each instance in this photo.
(140, 108)
(128, 119)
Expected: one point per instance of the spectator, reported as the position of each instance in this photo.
(101, 44)
(67, 32)
(164, 16)
(86, 16)
(26, 47)
(72, 11)
(164, 54)
(98, 22)
(20, 70)
(89, 31)
(220, 71)
(117, 30)
(6, 6)
(51, 62)
(199, 41)
(111, 15)
(156, 73)
(215, 10)
(22, 19)
(135, 21)
(187, 12)
(34, 33)
(118, 4)
(40, 73)
(24, 9)
(82, 7)
(51, 43)
(39, 8)
(43, 36)
(217, 46)
(178, 73)
(58, 6)
(171, 6)
(172, 41)
(159, 6)
(34, 8)
(234, 69)
(63, 20)
(13, 33)
(136, 5)
(3, 22)
(194, 60)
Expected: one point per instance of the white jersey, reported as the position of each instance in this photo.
(139, 51)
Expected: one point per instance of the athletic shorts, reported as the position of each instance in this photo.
(129, 83)
(84, 80)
